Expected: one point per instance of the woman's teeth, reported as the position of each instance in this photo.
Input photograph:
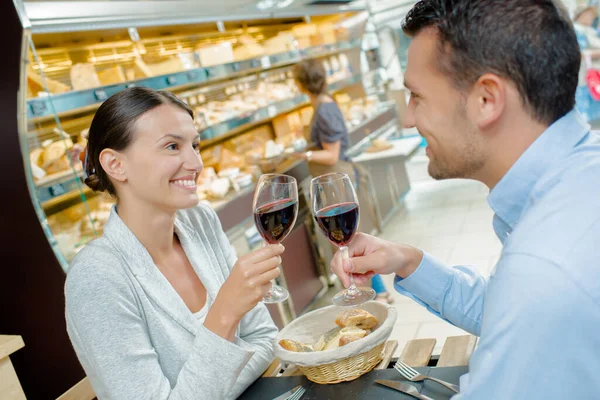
(184, 183)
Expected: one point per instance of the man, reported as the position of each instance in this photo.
(493, 89)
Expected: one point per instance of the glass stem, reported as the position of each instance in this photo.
(352, 290)
(273, 282)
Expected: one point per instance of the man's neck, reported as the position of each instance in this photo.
(507, 145)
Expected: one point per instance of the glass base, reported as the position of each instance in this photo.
(348, 298)
(277, 294)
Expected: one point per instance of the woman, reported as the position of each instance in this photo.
(327, 129)
(158, 307)
(329, 134)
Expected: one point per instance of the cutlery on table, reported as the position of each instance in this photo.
(293, 394)
(404, 388)
(414, 376)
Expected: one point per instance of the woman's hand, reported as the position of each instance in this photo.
(249, 281)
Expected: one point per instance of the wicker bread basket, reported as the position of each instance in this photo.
(345, 363)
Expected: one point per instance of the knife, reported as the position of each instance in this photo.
(288, 393)
(404, 388)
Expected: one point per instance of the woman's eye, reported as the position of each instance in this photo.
(196, 146)
(172, 146)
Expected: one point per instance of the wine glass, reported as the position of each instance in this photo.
(335, 205)
(275, 210)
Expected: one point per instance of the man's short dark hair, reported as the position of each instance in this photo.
(530, 42)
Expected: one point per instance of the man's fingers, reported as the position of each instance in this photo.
(363, 280)
(337, 268)
(364, 264)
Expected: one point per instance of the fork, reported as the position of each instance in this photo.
(298, 394)
(414, 376)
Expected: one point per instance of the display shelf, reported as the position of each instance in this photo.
(42, 108)
(58, 187)
(271, 111)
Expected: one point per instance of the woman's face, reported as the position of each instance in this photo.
(162, 163)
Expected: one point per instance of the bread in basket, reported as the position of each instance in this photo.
(344, 363)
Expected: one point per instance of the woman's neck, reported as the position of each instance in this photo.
(154, 228)
(314, 99)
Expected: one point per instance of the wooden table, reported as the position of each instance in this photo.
(10, 387)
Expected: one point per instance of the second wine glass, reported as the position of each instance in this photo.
(336, 210)
(275, 210)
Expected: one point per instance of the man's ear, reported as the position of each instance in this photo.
(488, 100)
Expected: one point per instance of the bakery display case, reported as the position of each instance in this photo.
(235, 75)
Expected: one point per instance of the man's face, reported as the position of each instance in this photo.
(439, 112)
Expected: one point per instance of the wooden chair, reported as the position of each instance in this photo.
(81, 391)
(456, 351)
(10, 387)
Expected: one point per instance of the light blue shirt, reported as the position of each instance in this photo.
(538, 314)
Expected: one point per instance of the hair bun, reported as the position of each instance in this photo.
(94, 183)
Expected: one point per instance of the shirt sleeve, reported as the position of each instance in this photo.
(455, 294)
(539, 326)
(329, 124)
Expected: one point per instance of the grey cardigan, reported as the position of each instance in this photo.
(134, 335)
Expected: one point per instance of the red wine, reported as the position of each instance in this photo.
(339, 222)
(275, 220)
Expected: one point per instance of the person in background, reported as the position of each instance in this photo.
(328, 130)
(493, 91)
(589, 43)
(583, 21)
(329, 134)
(382, 295)
(159, 307)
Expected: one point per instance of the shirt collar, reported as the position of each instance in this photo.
(509, 196)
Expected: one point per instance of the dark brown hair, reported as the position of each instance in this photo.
(311, 75)
(530, 42)
(112, 128)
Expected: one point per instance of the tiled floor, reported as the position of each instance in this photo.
(452, 221)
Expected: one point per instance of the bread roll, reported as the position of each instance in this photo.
(36, 157)
(345, 336)
(292, 345)
(325, 339)
(356, 317)
(351, 334)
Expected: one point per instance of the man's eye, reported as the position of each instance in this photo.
(172, 146)
(196, 146)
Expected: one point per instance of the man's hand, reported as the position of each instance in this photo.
(369, 255)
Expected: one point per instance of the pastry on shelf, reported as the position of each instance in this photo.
(378, 145)
(84, 76)
(36, 85)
